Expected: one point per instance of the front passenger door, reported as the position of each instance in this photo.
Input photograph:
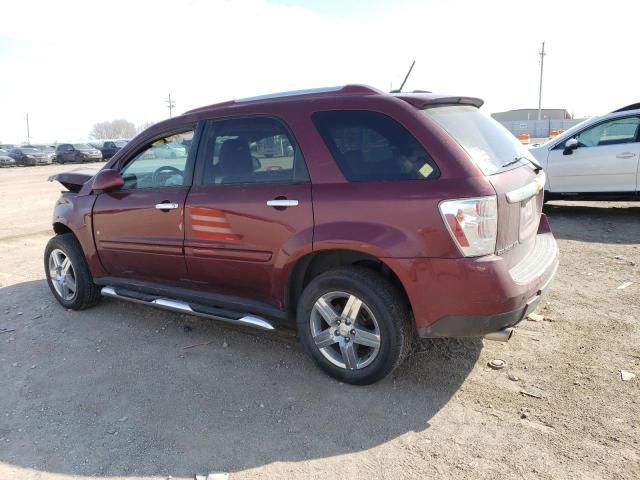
(139, 228)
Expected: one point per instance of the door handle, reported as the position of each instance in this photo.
(282, 203)
(626, 155)
(166, 206)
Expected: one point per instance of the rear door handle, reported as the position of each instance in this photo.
(626, 155)
(166, 206)
(282, 203)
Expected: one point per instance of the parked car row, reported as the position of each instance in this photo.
(31, 155)
(28, 156)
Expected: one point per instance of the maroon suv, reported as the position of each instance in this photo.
(366, 218)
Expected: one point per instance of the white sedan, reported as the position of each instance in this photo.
(599, 158)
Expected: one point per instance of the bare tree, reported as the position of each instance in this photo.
(119, 128)
(144, 126)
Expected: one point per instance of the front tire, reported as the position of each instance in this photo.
(354, 324)
(68, 274)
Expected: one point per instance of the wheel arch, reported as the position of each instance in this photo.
(61, 228)
(315, 263)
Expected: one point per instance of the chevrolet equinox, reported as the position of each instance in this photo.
(366, 219)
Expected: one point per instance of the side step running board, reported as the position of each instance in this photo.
(183, 307)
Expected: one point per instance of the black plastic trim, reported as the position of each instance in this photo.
(477, 325)
(593, 196)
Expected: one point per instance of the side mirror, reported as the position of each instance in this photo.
(257, 164)
(107, 180)
(570, 146)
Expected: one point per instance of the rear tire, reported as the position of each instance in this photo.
(354, 324)
(68, 274)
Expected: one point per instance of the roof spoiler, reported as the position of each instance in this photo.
(440, 101)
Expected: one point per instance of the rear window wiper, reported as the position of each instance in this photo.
(536, 166)
(514, 161)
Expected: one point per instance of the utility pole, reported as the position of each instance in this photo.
(542, 54)
(170, 105)
(28, 133)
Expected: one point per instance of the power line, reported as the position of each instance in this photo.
(542, 54)
(170, 105)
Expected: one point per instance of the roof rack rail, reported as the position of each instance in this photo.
(351, 89)
(347, 89)
(633, 106)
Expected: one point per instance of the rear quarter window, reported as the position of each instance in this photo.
(370, 146)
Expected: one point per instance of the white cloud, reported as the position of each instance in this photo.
(72, 63)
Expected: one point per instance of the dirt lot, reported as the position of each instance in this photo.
(112, 393)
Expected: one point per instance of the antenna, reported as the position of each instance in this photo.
(405, 79)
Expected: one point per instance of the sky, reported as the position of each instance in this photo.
(72, 63)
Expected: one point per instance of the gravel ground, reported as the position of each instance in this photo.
(113, 393)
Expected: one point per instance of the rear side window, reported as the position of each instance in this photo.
(491, 146)
(252, 150)
(370, 146)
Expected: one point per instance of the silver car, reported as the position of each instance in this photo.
(6, 160)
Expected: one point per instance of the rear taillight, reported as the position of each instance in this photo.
(472, 223)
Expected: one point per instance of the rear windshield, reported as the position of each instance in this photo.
(491, 146)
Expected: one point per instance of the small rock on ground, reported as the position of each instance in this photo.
(626, 376)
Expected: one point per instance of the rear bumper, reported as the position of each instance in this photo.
(466, 297)
(479, 325)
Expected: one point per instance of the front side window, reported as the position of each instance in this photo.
(370, 146)
(161, 164)
(621, 130)
(251, 150)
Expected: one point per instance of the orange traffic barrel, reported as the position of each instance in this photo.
(523, 137)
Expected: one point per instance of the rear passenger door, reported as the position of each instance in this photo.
(250, 206)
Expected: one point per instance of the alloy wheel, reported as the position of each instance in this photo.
(345, 330)
(63, 277)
